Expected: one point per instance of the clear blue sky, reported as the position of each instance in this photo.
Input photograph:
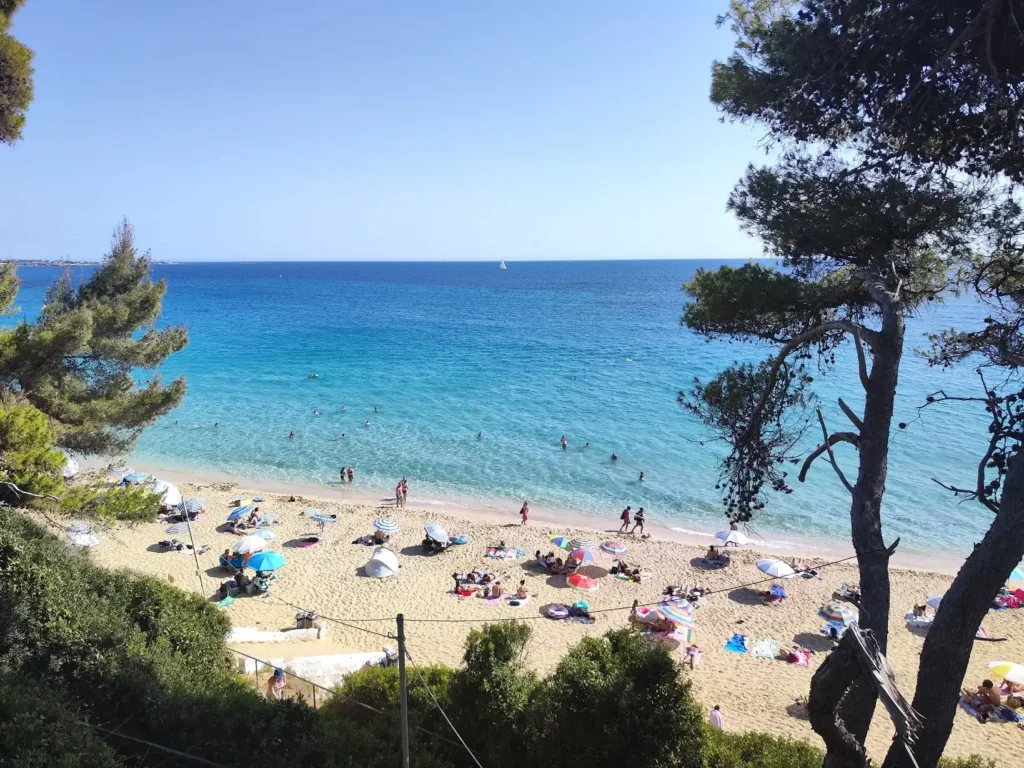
(230, 130)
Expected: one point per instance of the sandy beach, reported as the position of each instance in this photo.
(755, 694)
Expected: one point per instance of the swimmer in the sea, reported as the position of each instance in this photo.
(641, 476)
(316, 413)
(292, 434)
(565, 443)
(615, 456)
(367, 423)
(375, 409)
(343, 407)
(587, 445)
(479, 435)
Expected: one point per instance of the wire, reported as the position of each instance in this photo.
(345, 622)
(161, 747)
(439, 709)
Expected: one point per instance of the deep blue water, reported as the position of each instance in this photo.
(591, 350)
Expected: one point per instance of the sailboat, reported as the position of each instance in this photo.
(502, 265)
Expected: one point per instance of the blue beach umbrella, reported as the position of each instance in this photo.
(562, 542)
(238, 512)
(322, 518)
(1016, 580)
(264, 533)
(266, 561)
(386, 525)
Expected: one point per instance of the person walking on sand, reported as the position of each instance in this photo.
(716, 719)
(525, 512)
(624, 517)
(638, 521)
(275, 686)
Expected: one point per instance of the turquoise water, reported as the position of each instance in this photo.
(590, 350)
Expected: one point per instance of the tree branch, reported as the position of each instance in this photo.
(18, 490)
(854, 419)
(838, 437)
(832, 456)
(794, 343)
(862, 363)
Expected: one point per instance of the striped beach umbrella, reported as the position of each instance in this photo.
(386, 525)
(677, 610)
(579, 581)
(562, 542)
(837, 613)
(238, 512)
(1012, 673)
(582, 544)
(266, 561)
(583, 556)
(614, 548)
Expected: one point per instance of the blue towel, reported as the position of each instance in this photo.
(737, 644)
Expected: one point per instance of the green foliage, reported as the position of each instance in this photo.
(16, 88)
(623, 680)
(38, 730)
(27, 456)
(974, 761)
(77, 362)
(758, 750)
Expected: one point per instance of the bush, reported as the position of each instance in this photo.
(37, 730)
(758, 750)
(29, 459)
(974, 761)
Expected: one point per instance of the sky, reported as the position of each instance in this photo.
(456, 130)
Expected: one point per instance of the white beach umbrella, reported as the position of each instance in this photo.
(249, 544)
(733, 537)
(775, 568)
(382, 563)
(934, 601)
(70, 466)
(1009, 671)
(168, 492)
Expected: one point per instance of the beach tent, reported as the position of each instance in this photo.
(776, 568)
(382, 563)
(70, 466)
(168, 492)
(739, 538)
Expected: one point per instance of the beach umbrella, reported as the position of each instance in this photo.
(778, 592)
(1010, 672)
(677, 610)
(583, 556)
(614, 548)
(238, 512)
(733, 537)
(1016, 580)
(168, 492)
(177, 528)
(266, 561)
(776, 568)
(582, 544)
(386, 525)
(135, 477)
(382, 563)
(249, 544)
(934, 601)
(436, 532)
(562, 542)
(192, 505)
(323, 519)
(580, 581)
(837, 613)
(264, 533)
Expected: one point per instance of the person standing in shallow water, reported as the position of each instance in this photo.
(565, 443)
(524, 513)
(351, 475)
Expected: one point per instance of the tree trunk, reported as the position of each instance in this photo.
(951, 636)
(866, 512)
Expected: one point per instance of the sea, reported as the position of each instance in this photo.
(464, 377)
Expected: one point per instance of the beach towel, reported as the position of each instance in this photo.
(495, 600)
(737, 644)
(225, 602)
(713, 564)
(515, 602)
(581, 619)
(504, 554)
(765, 648)
(460, 539)
(799, 656)
(982, 634)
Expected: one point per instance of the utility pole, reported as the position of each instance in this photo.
(192, 541)
(402, 687)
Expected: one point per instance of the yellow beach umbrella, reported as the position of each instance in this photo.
(1013, 673)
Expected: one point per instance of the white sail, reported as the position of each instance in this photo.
(502, 266)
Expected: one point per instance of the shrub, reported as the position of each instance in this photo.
(758, 750)
(29, 459)
(974, 761)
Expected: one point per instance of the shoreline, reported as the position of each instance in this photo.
(497, 511)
